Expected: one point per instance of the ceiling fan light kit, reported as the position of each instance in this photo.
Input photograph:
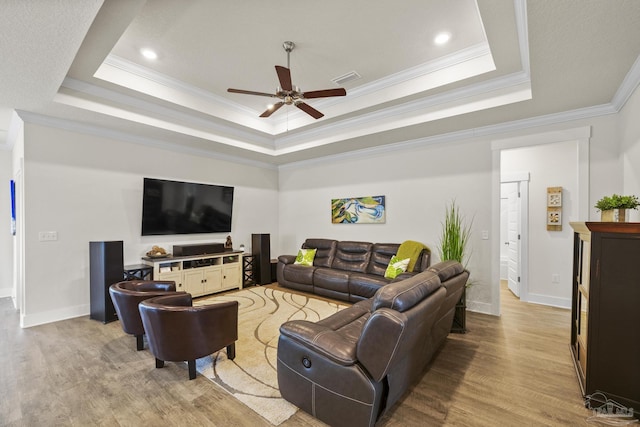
(290, 94)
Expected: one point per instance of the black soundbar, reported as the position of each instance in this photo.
(198, 249)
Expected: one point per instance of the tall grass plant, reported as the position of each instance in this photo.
(456, 232)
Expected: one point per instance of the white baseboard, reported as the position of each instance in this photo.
(36, 319)
(550, 301)
(481, 307)
(5, 292)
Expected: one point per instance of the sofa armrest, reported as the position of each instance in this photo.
(287, 259)
(325, 341)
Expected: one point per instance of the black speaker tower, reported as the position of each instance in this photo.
(261, 251)
(106, 267)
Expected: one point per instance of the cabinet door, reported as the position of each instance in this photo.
(212, 280)
(194, 281)
(232, 276)
(176, 276)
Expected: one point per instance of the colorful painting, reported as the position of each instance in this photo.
(358, 210)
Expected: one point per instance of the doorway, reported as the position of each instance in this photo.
(552, 158)
(513, 231)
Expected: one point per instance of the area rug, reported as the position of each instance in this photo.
(251, 377)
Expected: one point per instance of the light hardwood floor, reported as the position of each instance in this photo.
(513, 370)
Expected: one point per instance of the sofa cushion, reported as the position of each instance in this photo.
(403, 295)
(328, 278)
(352, 256)
(365, 285)
(381, 254)
(299, 274)
(325, 251)
(395, 267)
(305, 257)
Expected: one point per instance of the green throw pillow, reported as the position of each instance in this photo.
(396, 266)
(305, 257)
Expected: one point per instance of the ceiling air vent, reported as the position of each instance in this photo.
(350, 76)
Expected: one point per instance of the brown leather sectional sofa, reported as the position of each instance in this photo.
(345, 270)
(351, 367)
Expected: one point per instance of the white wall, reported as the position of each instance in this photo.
(89, 188)
(419, 179)
(548, 165)
(418, 182)
(630, 138)
(6, 238)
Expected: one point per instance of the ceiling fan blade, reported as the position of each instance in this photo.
(284, 75)
(272, 110)
(309, 110)
(324, 93)
(250, 92)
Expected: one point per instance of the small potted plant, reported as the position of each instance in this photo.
(614, 207)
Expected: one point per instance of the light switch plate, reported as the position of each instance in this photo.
(48, 236)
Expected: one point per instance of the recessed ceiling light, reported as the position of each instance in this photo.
(148, 53)
(442, 38)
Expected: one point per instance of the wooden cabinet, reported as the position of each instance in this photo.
(605, 313)
(200, 275)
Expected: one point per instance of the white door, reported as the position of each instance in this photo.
(513, 238)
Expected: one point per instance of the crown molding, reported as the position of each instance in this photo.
(103, 132)
(127, 74)
(164, 80)
(401, 113)
(201, 126)
(462, 136)
(629, 84)
(522, 27)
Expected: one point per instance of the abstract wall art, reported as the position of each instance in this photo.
(358, 210)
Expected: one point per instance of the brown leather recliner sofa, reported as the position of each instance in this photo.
(351, 367)
(345, 270)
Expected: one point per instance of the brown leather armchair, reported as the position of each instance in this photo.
(128, 294)
(177, 331)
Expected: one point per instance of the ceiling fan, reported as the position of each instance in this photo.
(290, 94)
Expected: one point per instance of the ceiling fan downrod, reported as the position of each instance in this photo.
(288, 47)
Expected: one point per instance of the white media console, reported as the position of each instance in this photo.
(200, 274)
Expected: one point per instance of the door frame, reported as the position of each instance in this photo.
(522, 179)
(582, 136)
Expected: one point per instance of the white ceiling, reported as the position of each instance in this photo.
(514, 62)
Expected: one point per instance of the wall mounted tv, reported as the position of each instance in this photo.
(173, 207)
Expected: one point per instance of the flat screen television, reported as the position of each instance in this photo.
(173, 207)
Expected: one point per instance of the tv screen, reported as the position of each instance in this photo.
(173, 207)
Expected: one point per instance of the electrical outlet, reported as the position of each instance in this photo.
(555, 278)
(48, 236)
(485, 234)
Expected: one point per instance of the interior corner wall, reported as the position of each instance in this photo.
(6, 238)
(418, 183)
(630, 142)
(89, 188)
